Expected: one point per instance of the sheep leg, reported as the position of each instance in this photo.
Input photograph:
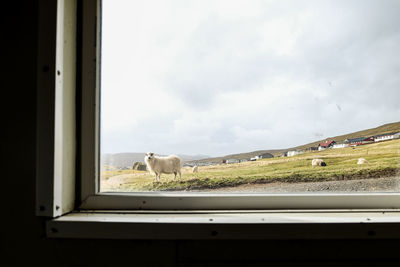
(175, 175)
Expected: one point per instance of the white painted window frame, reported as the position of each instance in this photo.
(56, 117)
(93, 199)
(60, 191)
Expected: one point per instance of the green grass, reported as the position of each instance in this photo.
(383, 158)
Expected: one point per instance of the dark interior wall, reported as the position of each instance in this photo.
(23, 242)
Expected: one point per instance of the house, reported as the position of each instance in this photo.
(230, 161)
(266, 156)
(387, 136)
(355, 141)
(243, 160)
(255, 158)
(368, 140)
(291, 153)
(326, 144)
(294, 153)
(340, 145)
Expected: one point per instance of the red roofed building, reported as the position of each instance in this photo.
(326, 144)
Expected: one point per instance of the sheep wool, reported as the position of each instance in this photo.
(318, 162)
(158, 165)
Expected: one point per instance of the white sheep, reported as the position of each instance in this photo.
(195, 169)
(318, 162)
(362, 161)
(158, 165)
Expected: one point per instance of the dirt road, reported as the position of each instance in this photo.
(387, 184)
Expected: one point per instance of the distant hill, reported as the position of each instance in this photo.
(386, 128)
(121, 160)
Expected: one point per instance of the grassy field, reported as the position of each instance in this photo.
(383, 158)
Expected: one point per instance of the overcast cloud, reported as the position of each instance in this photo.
(222, 76)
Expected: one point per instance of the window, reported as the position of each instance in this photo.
(236, 78)
(88, 196)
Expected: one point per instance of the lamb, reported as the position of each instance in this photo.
(362, 161)
(195, 169)
(158, 165)
(318, 162)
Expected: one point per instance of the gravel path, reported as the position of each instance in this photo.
(387, 184)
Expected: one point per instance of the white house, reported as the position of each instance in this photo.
(388, 136)
(325, 145)
(294, 153)
(255, 158)
(340, 145)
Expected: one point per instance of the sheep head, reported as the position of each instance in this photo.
(149, 156)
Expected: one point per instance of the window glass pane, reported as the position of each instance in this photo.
(251, 96)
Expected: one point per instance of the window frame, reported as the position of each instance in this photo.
(284, 225)
(56, 108)
(94, 199)
(77, 210)
(60, 190)
(90, 95)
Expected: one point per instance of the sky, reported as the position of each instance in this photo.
(216, 77)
